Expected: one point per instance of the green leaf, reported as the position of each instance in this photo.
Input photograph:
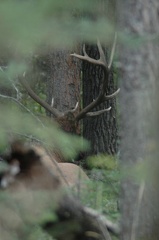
(102, 161)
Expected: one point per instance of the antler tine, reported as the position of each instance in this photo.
(101, 54)
(112, 95)
(97, 113)
(84, 50)
(101, 61)
(86, 58)
(74, 109)
(52, 102)
(112, 51)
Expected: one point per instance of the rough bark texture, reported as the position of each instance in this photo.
(139, 56)
(64, 79)
(101, 131)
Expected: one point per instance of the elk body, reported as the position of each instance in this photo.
(70, 175)
(30, 170)
(35, 163)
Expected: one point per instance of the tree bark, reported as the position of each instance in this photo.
(63, 83)
(101, 131)
(139, 61)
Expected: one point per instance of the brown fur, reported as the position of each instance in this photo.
(69, 174)
(39, 170)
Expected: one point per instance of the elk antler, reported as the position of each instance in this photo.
(102, 97)
(34, 96)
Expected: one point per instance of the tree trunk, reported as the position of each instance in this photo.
(101, 131)
(63, 84)
(139, 58)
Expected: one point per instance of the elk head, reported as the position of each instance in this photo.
(68, 120)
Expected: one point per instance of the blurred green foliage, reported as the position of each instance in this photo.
(14, 123)
(102, 161)
(21, 213)
(104, 188)
(30, 28)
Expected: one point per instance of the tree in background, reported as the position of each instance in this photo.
(60, 77)
(64, 77)
(63, 83)
(101, 130)
(139, 61)
(29, 31)
(43, 35)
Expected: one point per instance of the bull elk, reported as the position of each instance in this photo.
(30, 168)
(69, 119)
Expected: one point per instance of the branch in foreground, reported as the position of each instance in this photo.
(87, 223)
(112, 227)
(21, 105)
(74, 221)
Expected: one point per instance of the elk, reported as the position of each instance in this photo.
(26, 174)
(69, 120)
(30, 168)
